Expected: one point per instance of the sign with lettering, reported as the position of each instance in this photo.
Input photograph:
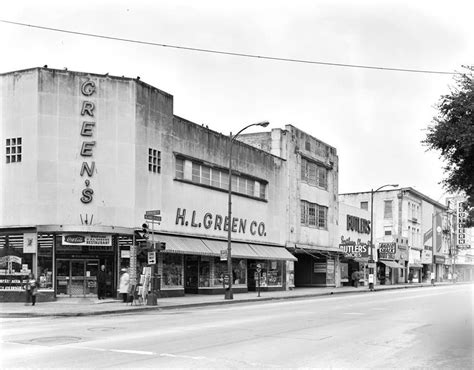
(358, 224)
(426, 256)
(151, 258)
(218, 222)
(86, 239)
(387, 251)
(88, 88)
(224, 255)
(354, 249)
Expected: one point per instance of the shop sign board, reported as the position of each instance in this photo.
(439, 259)
(30, 242)
(426, 256)
(86, 239)
(354, 249)
(151, 258)
(319, 268)
(226, 281)
(387, 251)
(223, 254)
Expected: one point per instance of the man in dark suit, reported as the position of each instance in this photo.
(101, 282)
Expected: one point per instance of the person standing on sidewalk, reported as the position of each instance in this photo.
(101, 282)
(432, 278)
(124, 285)
(355, 278)
(31, 289)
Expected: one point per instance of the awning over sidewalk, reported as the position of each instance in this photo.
(392, 264)
(239, 250)
(415, 265)
(272, 253)
(209, 247)
(183, 245)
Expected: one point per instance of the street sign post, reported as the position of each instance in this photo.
(151, 258)
(259, 269)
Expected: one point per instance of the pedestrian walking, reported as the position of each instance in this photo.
(31, 289)
(101, 282)
(355, 278)
(433, 278)
(124, 285)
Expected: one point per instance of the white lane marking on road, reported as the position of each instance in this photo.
(183, 356)
(133, 352)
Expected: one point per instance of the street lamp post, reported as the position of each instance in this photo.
(228, 291)
(371, 259)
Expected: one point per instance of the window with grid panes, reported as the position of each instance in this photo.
(205, 175)
(215, 178)
(387, 211)
(304, 213)
(154, 160)
(242, 185)
(311, 214)
(179, 168)
(312, 168)
(196, 174)
(322, 217)
(263, 190)
(224, 180)
(322, 177)
(250, 187)
(13, 150)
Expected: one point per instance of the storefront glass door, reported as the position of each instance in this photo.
(76, 278)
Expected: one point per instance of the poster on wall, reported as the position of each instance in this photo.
(30, 242)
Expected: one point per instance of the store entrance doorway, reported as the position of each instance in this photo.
(76, 277)
(191, 274)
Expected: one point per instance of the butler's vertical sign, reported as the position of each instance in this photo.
(87, 132)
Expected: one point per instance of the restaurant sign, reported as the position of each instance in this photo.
(86, 239)
(387, 251)
(354, 249)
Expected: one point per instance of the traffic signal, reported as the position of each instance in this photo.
(146, 232)
(160, 246)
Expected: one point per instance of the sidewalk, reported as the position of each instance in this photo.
(93, 306)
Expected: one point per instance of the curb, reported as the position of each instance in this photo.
(213, 303)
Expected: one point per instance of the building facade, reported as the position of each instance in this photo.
(403, 222)
(87, 156)
(311, 228)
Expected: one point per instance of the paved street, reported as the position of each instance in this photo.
(409, 328)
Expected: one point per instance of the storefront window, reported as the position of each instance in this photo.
(220, 268)
(205, 272)
(45, 261)
(271, 273)
(172, 270)
(14, 264)
(239, 272)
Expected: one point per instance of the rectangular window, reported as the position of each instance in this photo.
(312, 169)
(224, 180)
(322, 217)
(364, 205)
(154, 160)
(311, 214)
(215, 178)
(314, 215)
(322, 177)
(387, 210)
(263, 190)
(196, 173)
(205, 175)
(250, 187)
(179, 168)
(13, 150)
(304, 169)
(242, 185)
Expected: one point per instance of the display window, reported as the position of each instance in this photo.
(172, 270)
(15, 265)
(45, 261)
(271, 274)
(239, 272)
(205, 272)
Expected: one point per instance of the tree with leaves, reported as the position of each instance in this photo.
(452, 133)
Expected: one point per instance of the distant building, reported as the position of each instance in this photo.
(403, 224)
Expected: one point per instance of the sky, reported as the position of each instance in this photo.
(375, 119)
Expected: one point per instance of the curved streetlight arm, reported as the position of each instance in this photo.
(263, 124)
(228, 292)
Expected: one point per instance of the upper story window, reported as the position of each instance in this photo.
(387, 209)
(154, 160)
(13, 150)
(219, 178)
(314, 174)
(364, 205)
(313, 214)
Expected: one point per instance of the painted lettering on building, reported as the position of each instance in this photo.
(354, 249)
(358, 224)
(218, 222)
(88, 88)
